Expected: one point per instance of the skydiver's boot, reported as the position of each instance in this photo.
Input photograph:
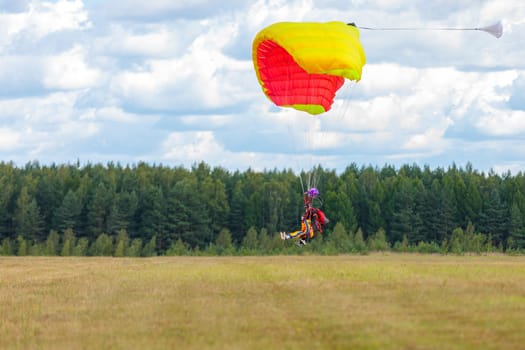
(300, 243)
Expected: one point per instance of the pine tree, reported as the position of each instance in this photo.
(68, 214)
(371, 197)
(214, 195)
(97, 210)
(250, 242)
(339, 208)
(115, 219)
(378, 242)
(48, 194)
(223, 242)
(81, 248)
(457, 241)
(6, 193)
(473, 202)
(122, 243)
(27, 219)
(67, 249)
(150, 248)
(237, 220)
(199, 232)
(340, 239)
(151, 219)
(128, 203)
(405, 219)
(178, 249)
(493, 218)
(7, 247)
(52, 243)
(176, 217)
(402, 246)
(103, 246)
(135, 248)
(438, 213)
(22, 246)
(264, 241)
(517, 226)
(359, 242)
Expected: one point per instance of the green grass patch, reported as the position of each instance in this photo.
(399, 301)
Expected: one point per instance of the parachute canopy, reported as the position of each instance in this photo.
(302, 65)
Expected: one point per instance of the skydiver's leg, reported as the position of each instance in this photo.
(295, 234)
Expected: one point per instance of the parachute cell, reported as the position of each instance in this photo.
(302, 65)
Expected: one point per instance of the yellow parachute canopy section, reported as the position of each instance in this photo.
(302, 65)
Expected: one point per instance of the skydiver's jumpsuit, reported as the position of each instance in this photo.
(306, 231)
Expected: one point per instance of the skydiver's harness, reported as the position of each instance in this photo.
(311, 213)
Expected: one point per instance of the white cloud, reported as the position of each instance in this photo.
(9, 139)
(155, 40)
(502, 123)
(187, 148)
(30, 74)
(387, 78)
(431, 139)
(115, 114)
(209, 121)
(47, 17)
(69, 70)
(159, 9)
(203, 77)
(43, 18)
(149, 44)
(44, 123)
(54, 108)
(265, 12)
(191, 146)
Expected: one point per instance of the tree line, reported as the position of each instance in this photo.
(146, 210)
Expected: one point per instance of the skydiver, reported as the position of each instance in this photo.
(303, 235)
(312, 221)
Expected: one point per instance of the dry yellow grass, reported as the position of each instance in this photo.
(308, 302)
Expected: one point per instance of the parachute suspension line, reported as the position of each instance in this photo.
(300, 138)
(315, 177)
(495, 30)
(347, 93)
(301, 179)
(297, 137)
(342, 110)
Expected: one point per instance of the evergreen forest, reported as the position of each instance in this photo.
(148, 210)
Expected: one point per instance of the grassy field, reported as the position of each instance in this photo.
(301, 302)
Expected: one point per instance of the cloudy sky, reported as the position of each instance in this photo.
(172, 82)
